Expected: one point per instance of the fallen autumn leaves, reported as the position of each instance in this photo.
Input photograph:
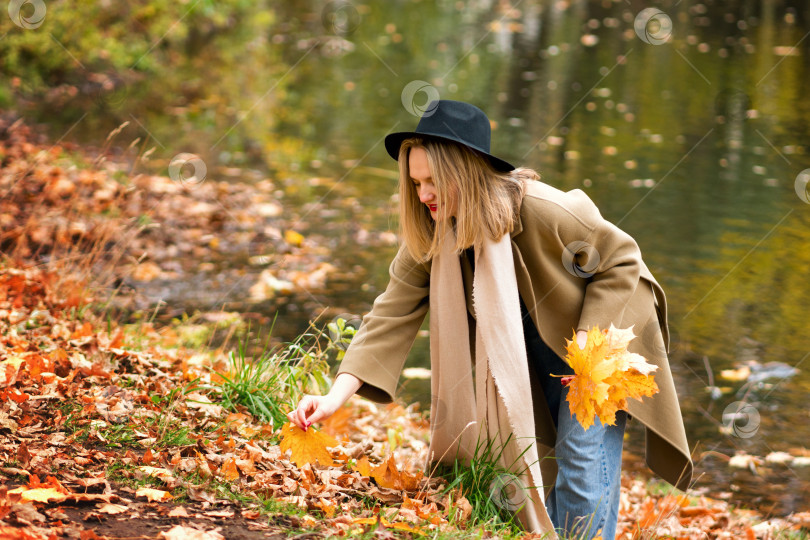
(144, 231)
(117, 431)
(80, 411)
(82, 432)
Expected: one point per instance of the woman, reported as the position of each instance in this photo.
(509, 268)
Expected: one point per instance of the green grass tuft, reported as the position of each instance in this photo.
(491, 489)
(270, 384)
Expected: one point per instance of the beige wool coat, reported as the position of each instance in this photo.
(605, 282)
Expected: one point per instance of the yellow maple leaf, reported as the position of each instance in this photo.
(153, 495)
(386, 524)
(40, 494)
(365, 521)
(606, 374)
(293, 238)
(49, 490)
(306, 446)
(8, 369)
(363, 466)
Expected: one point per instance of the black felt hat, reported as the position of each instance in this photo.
(452, 121)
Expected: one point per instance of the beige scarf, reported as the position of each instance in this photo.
(497, 406)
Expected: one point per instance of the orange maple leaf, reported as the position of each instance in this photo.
(229, 470)
(306, 446)
(326, 506)
(429, 512)
(606, 375)
(386, 474)
(38, 364)
(83, 331)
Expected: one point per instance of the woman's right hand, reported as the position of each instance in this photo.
(313, 409)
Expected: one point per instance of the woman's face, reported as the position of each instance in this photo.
(425, 188)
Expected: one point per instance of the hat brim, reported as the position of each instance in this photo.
(394, 140)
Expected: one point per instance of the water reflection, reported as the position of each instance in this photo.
(692, 145)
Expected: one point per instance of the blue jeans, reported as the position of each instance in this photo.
(585, 497)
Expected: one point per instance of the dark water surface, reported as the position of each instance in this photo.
(693, 145)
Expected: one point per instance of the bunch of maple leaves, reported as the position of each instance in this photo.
(606, 375)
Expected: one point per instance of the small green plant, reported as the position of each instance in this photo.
(170, 430)
(488, 486)
(268, 384)
(114, 472)
(195, 332)
(340, 335)
(117, 435)
(791, 535)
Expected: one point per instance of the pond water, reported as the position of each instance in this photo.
(690, 132)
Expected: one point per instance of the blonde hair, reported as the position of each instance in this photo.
(487, 200)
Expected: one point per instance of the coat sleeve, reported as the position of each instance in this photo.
(379, 349)
(608, 258)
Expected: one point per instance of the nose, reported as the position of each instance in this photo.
(425, 194)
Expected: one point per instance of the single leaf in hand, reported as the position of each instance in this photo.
(306, 446)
